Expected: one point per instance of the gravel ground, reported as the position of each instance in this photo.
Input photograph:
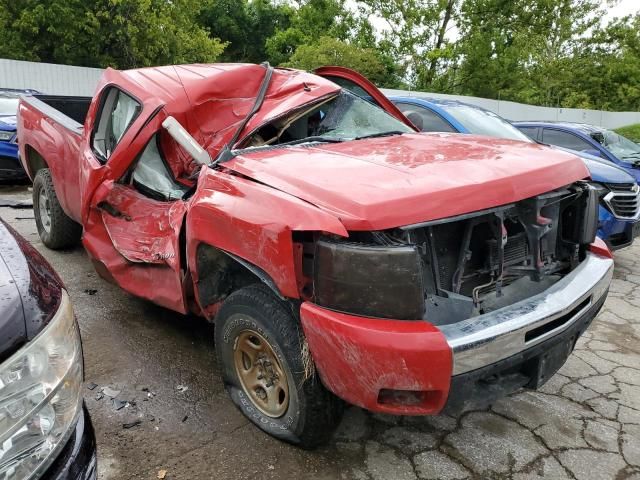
(584, 424)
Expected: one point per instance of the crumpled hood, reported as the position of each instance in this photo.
(380, 183)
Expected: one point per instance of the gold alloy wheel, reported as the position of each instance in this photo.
(261, 374)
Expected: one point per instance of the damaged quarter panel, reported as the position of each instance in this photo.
(254, 222)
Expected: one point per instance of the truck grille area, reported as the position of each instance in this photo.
(453, 269)
(623, 200)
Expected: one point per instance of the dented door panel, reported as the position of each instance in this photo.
(137, 239)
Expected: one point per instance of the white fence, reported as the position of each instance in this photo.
(49, 78)
(519, 111)
(68, 80)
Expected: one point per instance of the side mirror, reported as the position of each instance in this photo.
(186, 141)
(593, 152)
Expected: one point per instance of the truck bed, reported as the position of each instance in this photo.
(69, 111)
(50, 128)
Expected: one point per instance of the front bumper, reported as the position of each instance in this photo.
(617, 232)
(77, 459)
(10, 166)
(410, 367)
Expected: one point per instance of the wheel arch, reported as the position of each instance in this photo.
(34, 161)
(219, 273)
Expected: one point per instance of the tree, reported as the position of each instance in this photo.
(310, 20)
(519, 49)
(118, 33)
(329, 51)
(416, 35)
(245, 25)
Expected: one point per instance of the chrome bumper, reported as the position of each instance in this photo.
(486, 339)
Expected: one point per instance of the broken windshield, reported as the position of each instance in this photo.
(342, 117)
(621, 147)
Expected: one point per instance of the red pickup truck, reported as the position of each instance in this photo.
(341, 254)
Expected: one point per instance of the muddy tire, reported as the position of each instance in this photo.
(259, 346)
(56, 229)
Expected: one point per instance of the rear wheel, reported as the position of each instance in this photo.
(55, 228)
(268, 372)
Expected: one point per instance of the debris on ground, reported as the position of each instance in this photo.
(6, 202)
(162, 474)
(92, 386)
(110, 392)
(135, 423)
(184, 419)
(119, 404)
(90, 291)
(99, 396)
(182, 388)
(25, 218)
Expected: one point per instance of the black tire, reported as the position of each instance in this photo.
(56, 229)
(312, 412)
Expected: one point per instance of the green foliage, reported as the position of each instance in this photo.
(245, 25)
(543, 52)
(329, 51)
(118, 33)
(632, 132)
(415, 35)
(309, 21)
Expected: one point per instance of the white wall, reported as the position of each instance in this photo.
(69, 80)
(49, 78)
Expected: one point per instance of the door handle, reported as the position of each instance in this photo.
(113, 211)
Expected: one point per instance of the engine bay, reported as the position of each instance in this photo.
(468, 265)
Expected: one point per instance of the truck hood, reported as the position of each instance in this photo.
(379, 183)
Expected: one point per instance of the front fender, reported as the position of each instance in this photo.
(254, 222)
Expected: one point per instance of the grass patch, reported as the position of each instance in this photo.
(632, 132)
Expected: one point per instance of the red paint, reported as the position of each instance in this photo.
(387, 182)
(600, 247)
(357, 357)
(252, 205)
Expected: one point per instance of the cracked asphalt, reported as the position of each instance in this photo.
(583, 424)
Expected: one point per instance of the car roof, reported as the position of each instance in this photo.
(438, 102)
(581, 127)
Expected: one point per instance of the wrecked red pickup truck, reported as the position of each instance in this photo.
(340, 253)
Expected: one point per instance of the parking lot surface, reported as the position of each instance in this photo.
(175, 415)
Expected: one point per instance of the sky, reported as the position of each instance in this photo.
(625, 7)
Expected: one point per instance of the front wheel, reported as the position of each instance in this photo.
(55, 228)
(268, 372)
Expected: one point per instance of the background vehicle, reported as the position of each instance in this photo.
(598, 141)
(619, 194)
(339, 251)
(46, 431)
(10, 166)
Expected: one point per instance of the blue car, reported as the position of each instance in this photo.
(619, 193)
(598, 141)
(10, 167)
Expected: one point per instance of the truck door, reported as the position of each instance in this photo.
(361, 86)
(133, 209)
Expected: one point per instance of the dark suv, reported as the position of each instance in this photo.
(45, 431)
